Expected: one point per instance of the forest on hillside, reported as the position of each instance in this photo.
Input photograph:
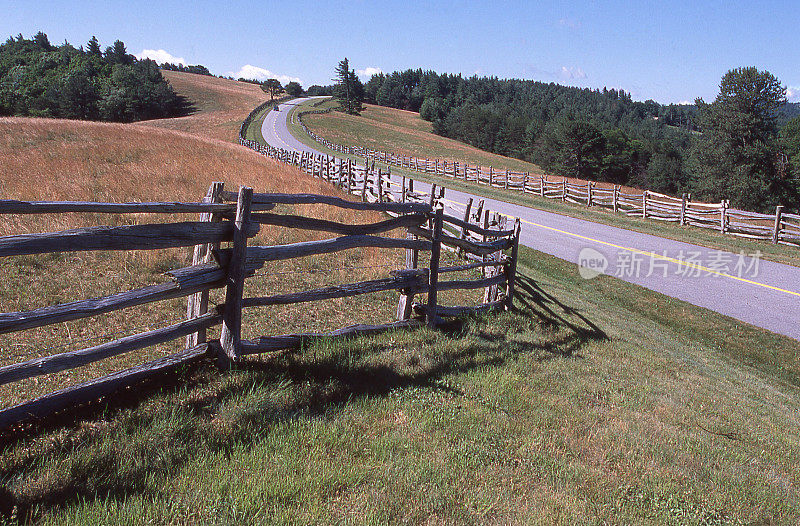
(42, 80)
(606, 135)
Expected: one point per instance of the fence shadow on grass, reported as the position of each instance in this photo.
(114, 466)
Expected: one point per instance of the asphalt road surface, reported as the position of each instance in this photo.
(742, 286)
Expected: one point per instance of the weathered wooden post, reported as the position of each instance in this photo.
(723, 216)
(364, 186)
(491, 175)
(525, 182)
(433, 277)
(644, 204)
(197, 304)
(776, 231)
(494, 291)
(564, 189)
(431, 203)
(511, 268)
(542, 180)
(506, 183)
(407, 295)
(683, 209)
(487, 271)
(231, 335)
(403, 190)
(615, 203)
(379, 185)
(588, 193)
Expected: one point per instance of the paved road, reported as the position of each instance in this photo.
(742, 286)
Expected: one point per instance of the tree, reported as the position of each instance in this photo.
(294, 89)
(93, 47)
(736, 155)
(571, 147)
(348, 90)
(271, 86)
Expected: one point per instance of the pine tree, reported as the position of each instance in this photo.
(736, 155)
(348, 90)
(93, 47)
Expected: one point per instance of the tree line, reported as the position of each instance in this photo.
(43, 80)
(742, 146)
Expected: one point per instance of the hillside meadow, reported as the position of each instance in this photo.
(593, 402)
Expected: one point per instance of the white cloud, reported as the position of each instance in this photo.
(367, 73)
(570, 23)
(685, 103)
(160, 56)
(793, 93)
(248, 71)
(572, 73)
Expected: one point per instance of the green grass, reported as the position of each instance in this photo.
(253, 132)
(703, 237)
(595, 402)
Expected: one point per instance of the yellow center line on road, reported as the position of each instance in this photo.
(651, 254)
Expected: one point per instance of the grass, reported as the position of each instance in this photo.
(580, 407)
(352, 129)
(220, 105)
(66, 160)
(404, 133)
(595, 402)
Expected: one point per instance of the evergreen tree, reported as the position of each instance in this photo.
(93, 47)
(736, 155)
(348, 90)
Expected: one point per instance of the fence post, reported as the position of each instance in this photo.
(564, 189)
(197, 304)
(431, 203)
(494, 290)
(777, 230)
(491, 175)
(683, 209)
(588, 193)
(364, 186)
(231, 335)
(487, 272)
(407, 295)
(616, 197)
(511, 269)
(644, 204)
(433, 277)
(506, 184)
(403, 190)
(525, 182)
(379, 185)
(463, 234)
(541, 185)
(723, 216)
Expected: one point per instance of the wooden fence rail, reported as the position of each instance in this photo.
(648, 204)
(216, 267)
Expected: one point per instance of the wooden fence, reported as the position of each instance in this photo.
(233, 218)
(779, 227)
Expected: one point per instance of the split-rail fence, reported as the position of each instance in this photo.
(223, 259)
(780, 227)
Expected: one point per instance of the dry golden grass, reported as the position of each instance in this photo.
(221, 105)
(47, 159)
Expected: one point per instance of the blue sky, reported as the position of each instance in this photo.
(669, 51)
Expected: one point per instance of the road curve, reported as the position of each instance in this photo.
(742, 286)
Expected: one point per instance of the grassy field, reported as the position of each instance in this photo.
(352, 130)
(220, 105)
(404, 133)
(595, 402)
